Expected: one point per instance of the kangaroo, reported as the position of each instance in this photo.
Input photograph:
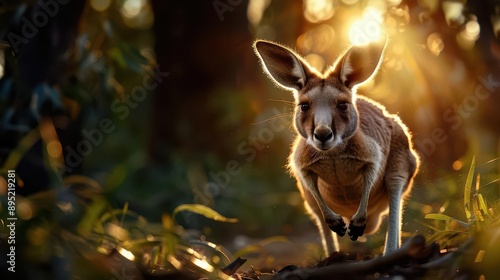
(352, 160)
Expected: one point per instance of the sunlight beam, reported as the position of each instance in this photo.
(368, 28)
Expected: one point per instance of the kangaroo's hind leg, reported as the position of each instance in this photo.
(398, 180)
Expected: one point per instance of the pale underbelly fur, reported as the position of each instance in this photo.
(345, 200)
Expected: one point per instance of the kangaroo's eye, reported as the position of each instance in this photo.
(343, 106)
(304, 107)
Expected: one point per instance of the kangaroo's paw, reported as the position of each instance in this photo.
(357, 227)
(337, 225)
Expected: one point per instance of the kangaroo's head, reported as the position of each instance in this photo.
(326, 114)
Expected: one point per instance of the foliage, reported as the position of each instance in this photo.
(101, 231)
(479, 216)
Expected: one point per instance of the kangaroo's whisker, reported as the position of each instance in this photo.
(272, 118)
(283, 101)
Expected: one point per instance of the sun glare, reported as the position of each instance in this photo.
(368, 28)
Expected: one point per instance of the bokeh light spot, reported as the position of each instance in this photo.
(469, 34)
(435, 44)
(132, 8)
(318, 10)
(215, 259)
(54, 149)
(100, 5)
(256, 9)
(457, 165)
(426, 209)
(24, 210)
(319, 39)
(453, 12)
(137, 14)
(472, 30)
(37, 236)
(316, 61)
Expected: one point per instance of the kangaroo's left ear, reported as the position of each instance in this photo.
(359, 63)
(284, 66)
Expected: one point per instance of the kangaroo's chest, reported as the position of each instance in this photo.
(339, 171)
(341, 185)
(340, 179)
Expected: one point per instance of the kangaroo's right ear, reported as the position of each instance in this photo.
(285, 67)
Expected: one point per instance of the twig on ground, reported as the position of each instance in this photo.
(413, 249)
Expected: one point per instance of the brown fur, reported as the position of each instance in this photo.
(353, 161)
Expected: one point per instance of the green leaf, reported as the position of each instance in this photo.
(483, 208)
(167, 222)
(480, 211)
(249, 249)
(456, 240)
(128, 57)
(92, 187)
(260, 246)
(204, 211)
(90, 221)
(155, 256)
(116, 178)
(274, 239)
(468, 188)
(112, 215)
(434, 228)
(124, 213)
(211, 250)
(142, 243)
(443, 236)
(440, 217)
(20, 151)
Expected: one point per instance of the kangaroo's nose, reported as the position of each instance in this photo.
(323, 134)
